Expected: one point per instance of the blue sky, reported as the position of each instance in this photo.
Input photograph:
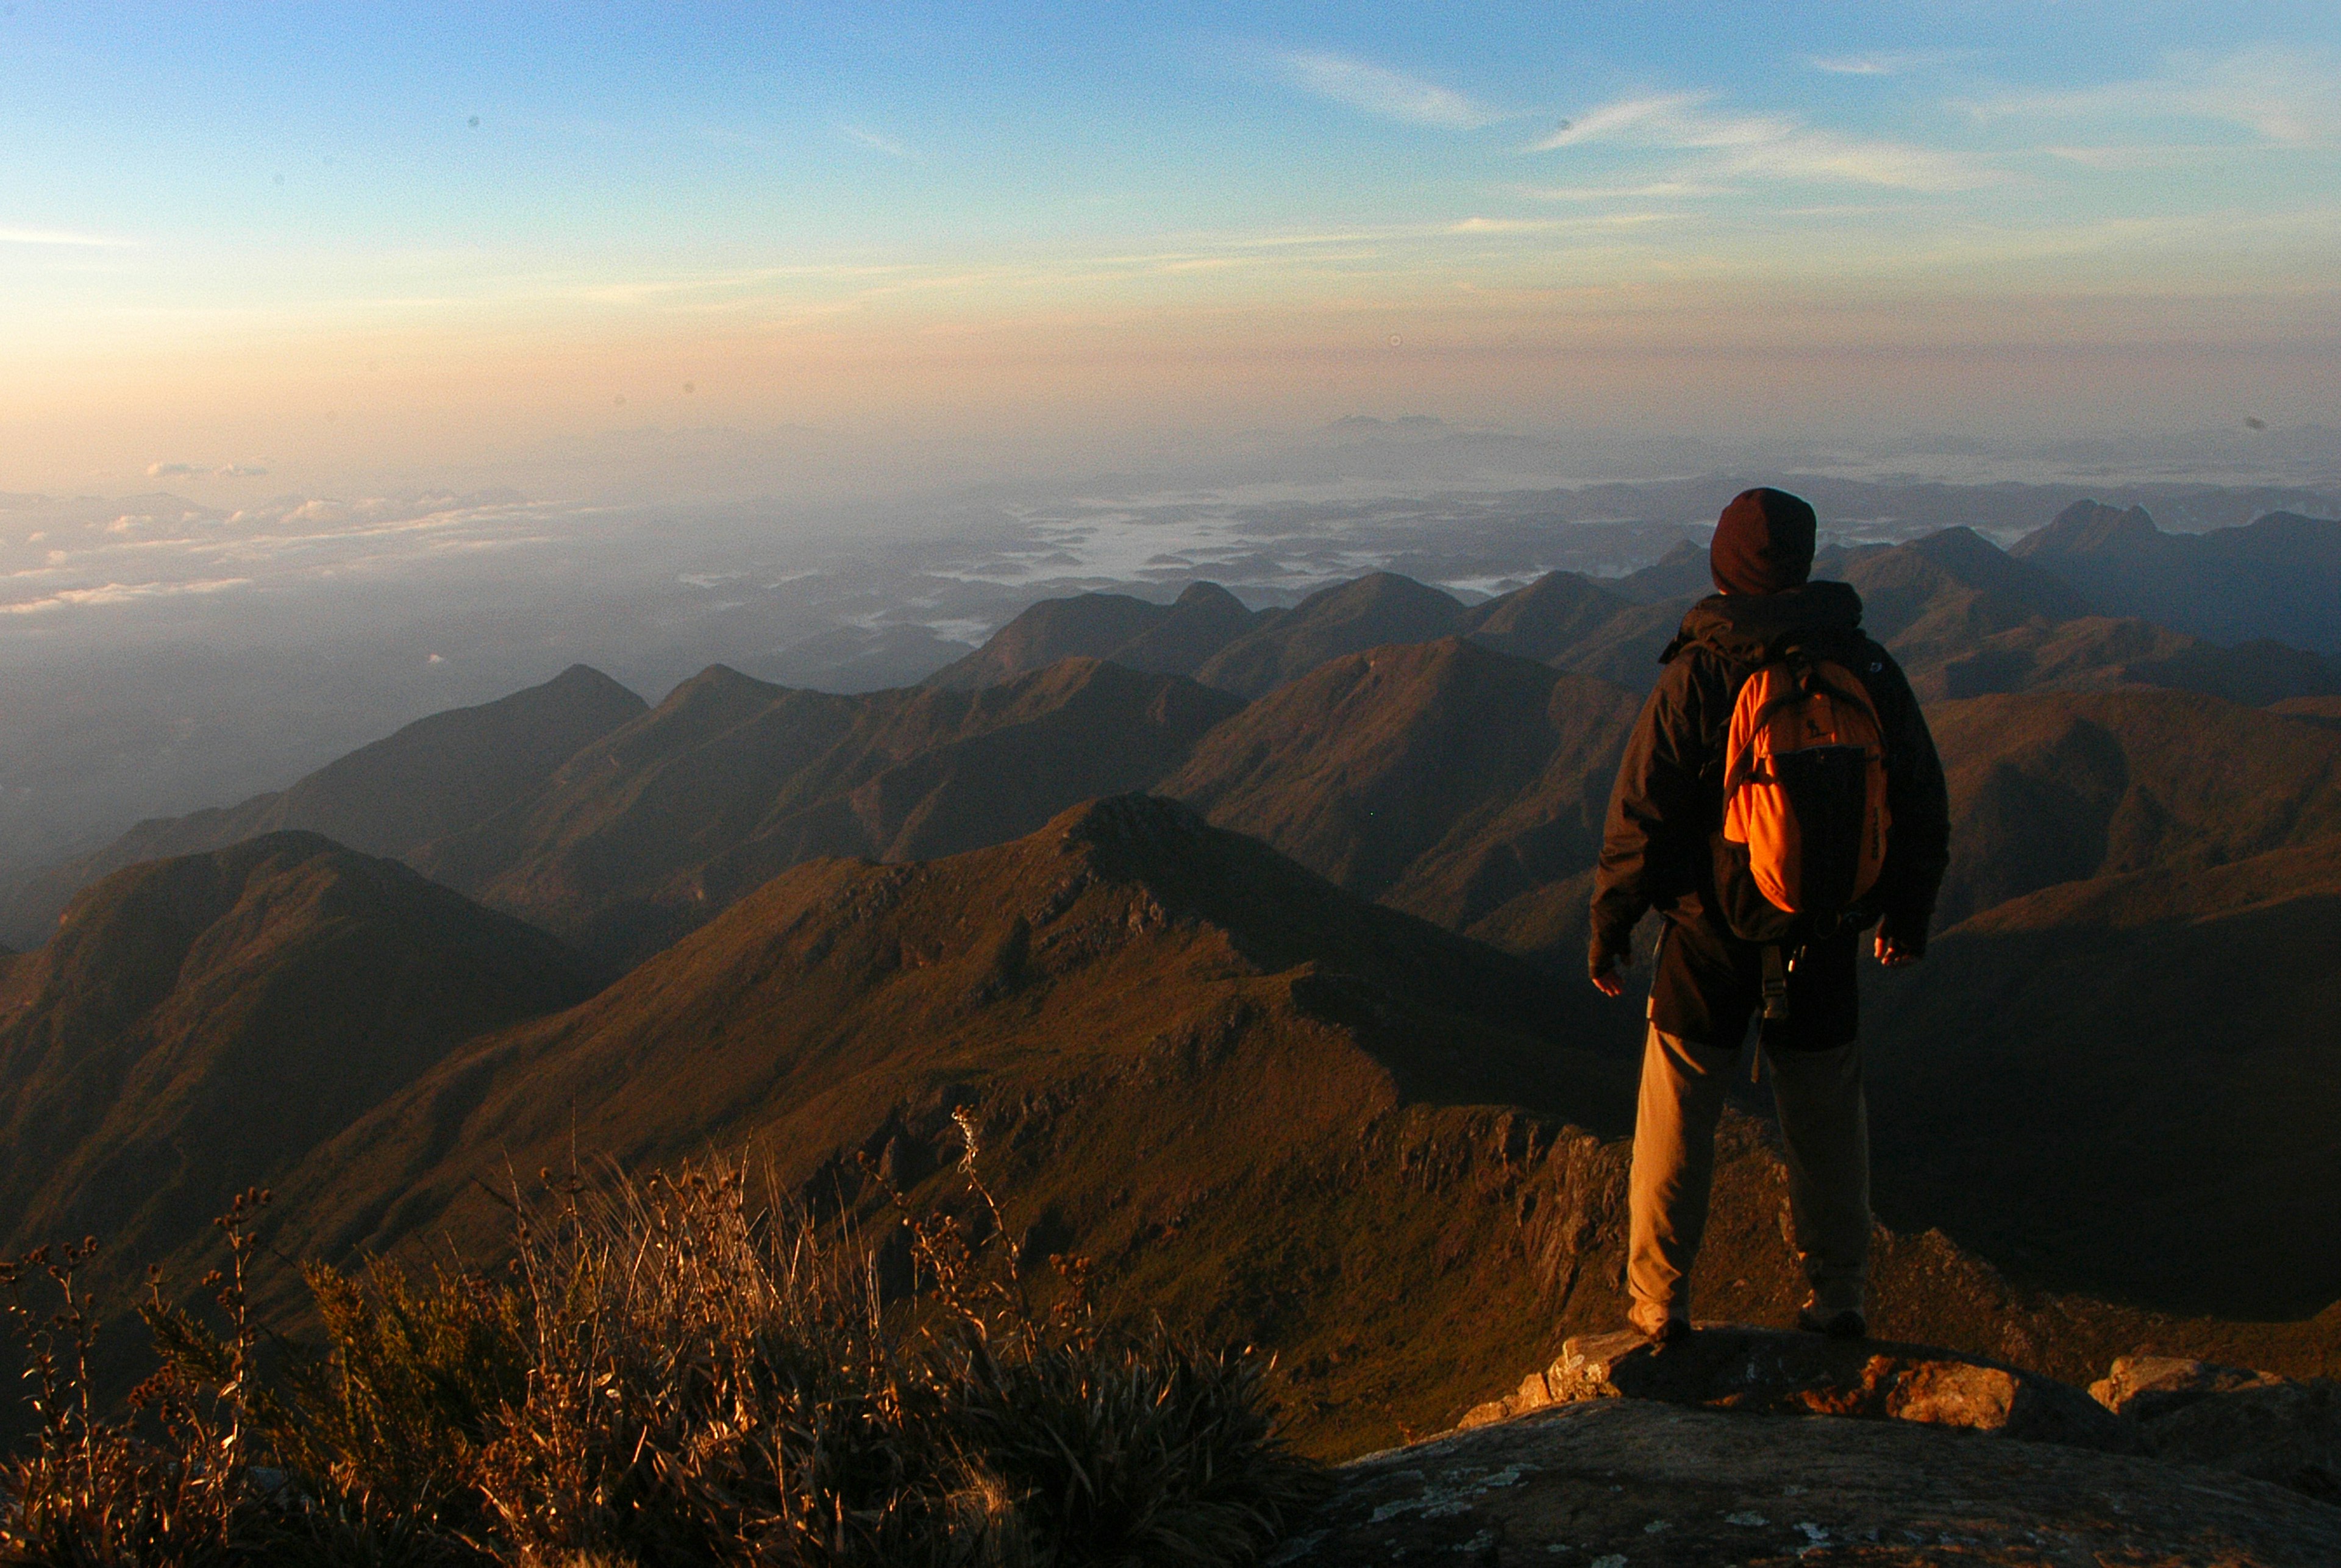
(217, 220)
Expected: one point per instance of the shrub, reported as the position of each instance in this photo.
(667, 1371)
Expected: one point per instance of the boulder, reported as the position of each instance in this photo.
(1642, 1483)
(1767, 1371)
(2145, 1386)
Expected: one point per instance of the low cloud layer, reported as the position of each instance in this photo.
(203, 471)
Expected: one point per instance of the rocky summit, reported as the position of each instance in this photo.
(1750, 1446)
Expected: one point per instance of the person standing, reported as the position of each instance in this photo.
(1781, 794)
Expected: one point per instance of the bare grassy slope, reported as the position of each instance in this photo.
(196, 1026)
(1191, 1059)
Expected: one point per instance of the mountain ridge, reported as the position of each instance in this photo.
(2275, 578)
(389, 797)
(730, 781)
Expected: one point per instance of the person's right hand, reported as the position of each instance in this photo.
(1893, 954)
(1605, 981)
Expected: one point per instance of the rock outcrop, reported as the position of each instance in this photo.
(2144, 1387)
(1764, 1371)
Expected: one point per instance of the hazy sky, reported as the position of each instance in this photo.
(340, 242)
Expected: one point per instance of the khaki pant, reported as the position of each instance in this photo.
(1825, 1127)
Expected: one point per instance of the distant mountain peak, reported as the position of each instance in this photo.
(2087, 527)
(581, 678)
(1207, 593)
(719, 678)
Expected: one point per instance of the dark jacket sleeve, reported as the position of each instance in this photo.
(1918, 845)
(1658, 822)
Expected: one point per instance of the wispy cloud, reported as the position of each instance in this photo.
(2284, 96)
(1377, 90)
(9, 236)
(119, 594)
(864, 136)
(1626, 115)
(1763, 147)
(1891, 63)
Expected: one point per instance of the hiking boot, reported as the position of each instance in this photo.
(1846, 1324)
(1674, 1331)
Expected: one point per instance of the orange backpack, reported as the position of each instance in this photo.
(1804, 819)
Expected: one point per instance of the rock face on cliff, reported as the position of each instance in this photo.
(2254, 1423)
(1639, 1484)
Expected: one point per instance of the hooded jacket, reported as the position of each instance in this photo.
(1656, 847)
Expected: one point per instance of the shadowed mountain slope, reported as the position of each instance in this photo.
(435, 776)
(2051, 787)
(2150, 1057)
(1439, 777)
(1174, 639)
(2007, 586)
(1624, 650)
(2278, 578)
(195, 1025)
(2326, 710)
(730, 781)
(2098, 654)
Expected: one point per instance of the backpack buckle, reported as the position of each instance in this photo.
(1776, 965)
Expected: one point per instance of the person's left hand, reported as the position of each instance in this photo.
(1603, 968)
(1892, 953)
